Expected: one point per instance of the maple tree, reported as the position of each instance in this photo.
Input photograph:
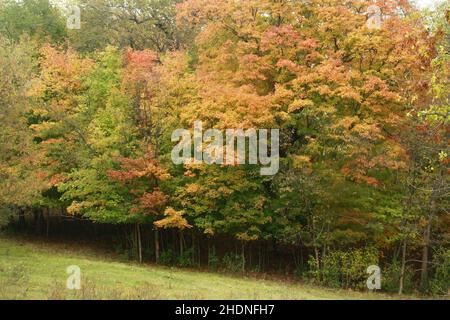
(20, 182)
(337, 88)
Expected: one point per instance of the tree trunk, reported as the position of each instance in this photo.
(402, 272)
(316, 251)
(139, 242)
(43, 221)
(47, 228)
(243, 256)
(156, 246)
(425, 254)
(199, 252)
(194, 251)
(301, 256)
(22, 221)
(181, 243)
(37, 222)
(250, 256)
(209, 253)
(259, 257)
(426, 248)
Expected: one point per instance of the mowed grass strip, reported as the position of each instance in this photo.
(29, 270)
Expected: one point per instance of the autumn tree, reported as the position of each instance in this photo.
(21, 182)
(427, 144)
(362, 109)
(337, 88)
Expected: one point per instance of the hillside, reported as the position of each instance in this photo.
(38, 271)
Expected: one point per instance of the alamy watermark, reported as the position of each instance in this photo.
(74, 280)
(73, 18)
(228, 147)
(374, 17)
(374, 280)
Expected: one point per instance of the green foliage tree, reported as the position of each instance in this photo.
(138, 24)
(38, 19)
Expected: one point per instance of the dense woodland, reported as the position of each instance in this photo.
(87, 116)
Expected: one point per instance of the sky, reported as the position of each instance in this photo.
(428, 3)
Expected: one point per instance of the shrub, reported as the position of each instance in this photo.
(344, 269)
(328, 274)
(167, 257)
(5, 216)
(213, 259)
(439, 284)
(123, 254)
(186, 259)
(302, 272)
(148, 254)
(233, 262)
(390, 277)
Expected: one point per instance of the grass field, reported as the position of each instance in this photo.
(31, 270)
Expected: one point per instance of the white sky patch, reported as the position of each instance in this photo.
(429, 4)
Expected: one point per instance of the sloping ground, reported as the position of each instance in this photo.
(37, 271)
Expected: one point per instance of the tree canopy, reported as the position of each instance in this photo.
(87, 117)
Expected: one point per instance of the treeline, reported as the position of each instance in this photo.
(87, 117)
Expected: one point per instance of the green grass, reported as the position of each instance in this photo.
(30, 270)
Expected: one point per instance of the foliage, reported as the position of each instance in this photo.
(167, 257)
(390, 278)
(232, 262)
(440, 283)
(344, 269)
(87, 117)
(138, 24)
(186, 259)
(36, 18)
(213, 259)
(21, 182)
